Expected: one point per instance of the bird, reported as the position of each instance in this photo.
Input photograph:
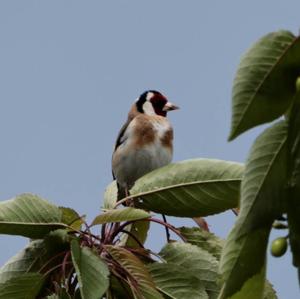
(145, 141)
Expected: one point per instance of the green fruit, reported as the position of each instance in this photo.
(279, 247)
(298, 84)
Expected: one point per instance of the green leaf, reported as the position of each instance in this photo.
(264, 85)
(71, 218)
(243, 276)
(145, 287)
(203, 239)
(256, 287)
(25, 286)
(214, 245)
(30, 216)
(110, 196)
(118, 289)
(92, 272)
(191, 188)
(262, 191)
(176, 282)
(199, 263)
(269, 292)
(59, 238)
(264, 183)
(37, 256)
(119, 215)
(292, 202)
(139, 229)
(27, 260)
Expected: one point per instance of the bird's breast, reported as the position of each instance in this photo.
(148, 146)
(156, 131)
(153, 142)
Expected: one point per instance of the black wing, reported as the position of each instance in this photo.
(121, 139)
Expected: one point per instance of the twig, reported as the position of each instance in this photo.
(201, 223)
(67, 255)
(103, 230)
(69, 279)
(120, 228)
(235, 211)
(80, 232)
(166, 228)
(133, 237)
(109, 233)
(52, 259)
(88, 231)
(54, 268)
(125, 199)
(171, 227)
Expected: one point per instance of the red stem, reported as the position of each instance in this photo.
(171, 227)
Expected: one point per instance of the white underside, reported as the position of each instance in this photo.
(140, 162)
(132, 164)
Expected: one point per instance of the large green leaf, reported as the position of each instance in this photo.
(119, 215)
(145, 287)
(292, 202)
(190, 188)
(252, 288)
(30, 216)
(214, 245)
(25, 286)
(176, 282)
(264, 85)
(199, 262)
(264, 183)
(244, 276)
(37, 256)
(203, 239)
(92, 272)
(110, 196)
(29, 259)
(261, 200)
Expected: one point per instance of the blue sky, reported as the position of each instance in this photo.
(69, 71)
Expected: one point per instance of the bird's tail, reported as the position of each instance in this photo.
(121, 192)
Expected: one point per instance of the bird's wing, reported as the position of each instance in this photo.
(121, 136)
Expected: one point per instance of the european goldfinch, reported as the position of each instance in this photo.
(145, 141)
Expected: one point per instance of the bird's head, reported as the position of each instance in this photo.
(152, 102)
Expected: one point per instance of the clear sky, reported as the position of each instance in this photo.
(69, 71)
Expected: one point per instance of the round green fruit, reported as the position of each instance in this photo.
(279, 247)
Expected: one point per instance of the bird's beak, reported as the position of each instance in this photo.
(169, 107)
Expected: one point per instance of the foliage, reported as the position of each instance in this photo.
(66, 259)
(265, 88)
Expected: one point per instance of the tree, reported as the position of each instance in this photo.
(68, 258)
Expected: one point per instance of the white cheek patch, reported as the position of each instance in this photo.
(148, 108)
(149, 96)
